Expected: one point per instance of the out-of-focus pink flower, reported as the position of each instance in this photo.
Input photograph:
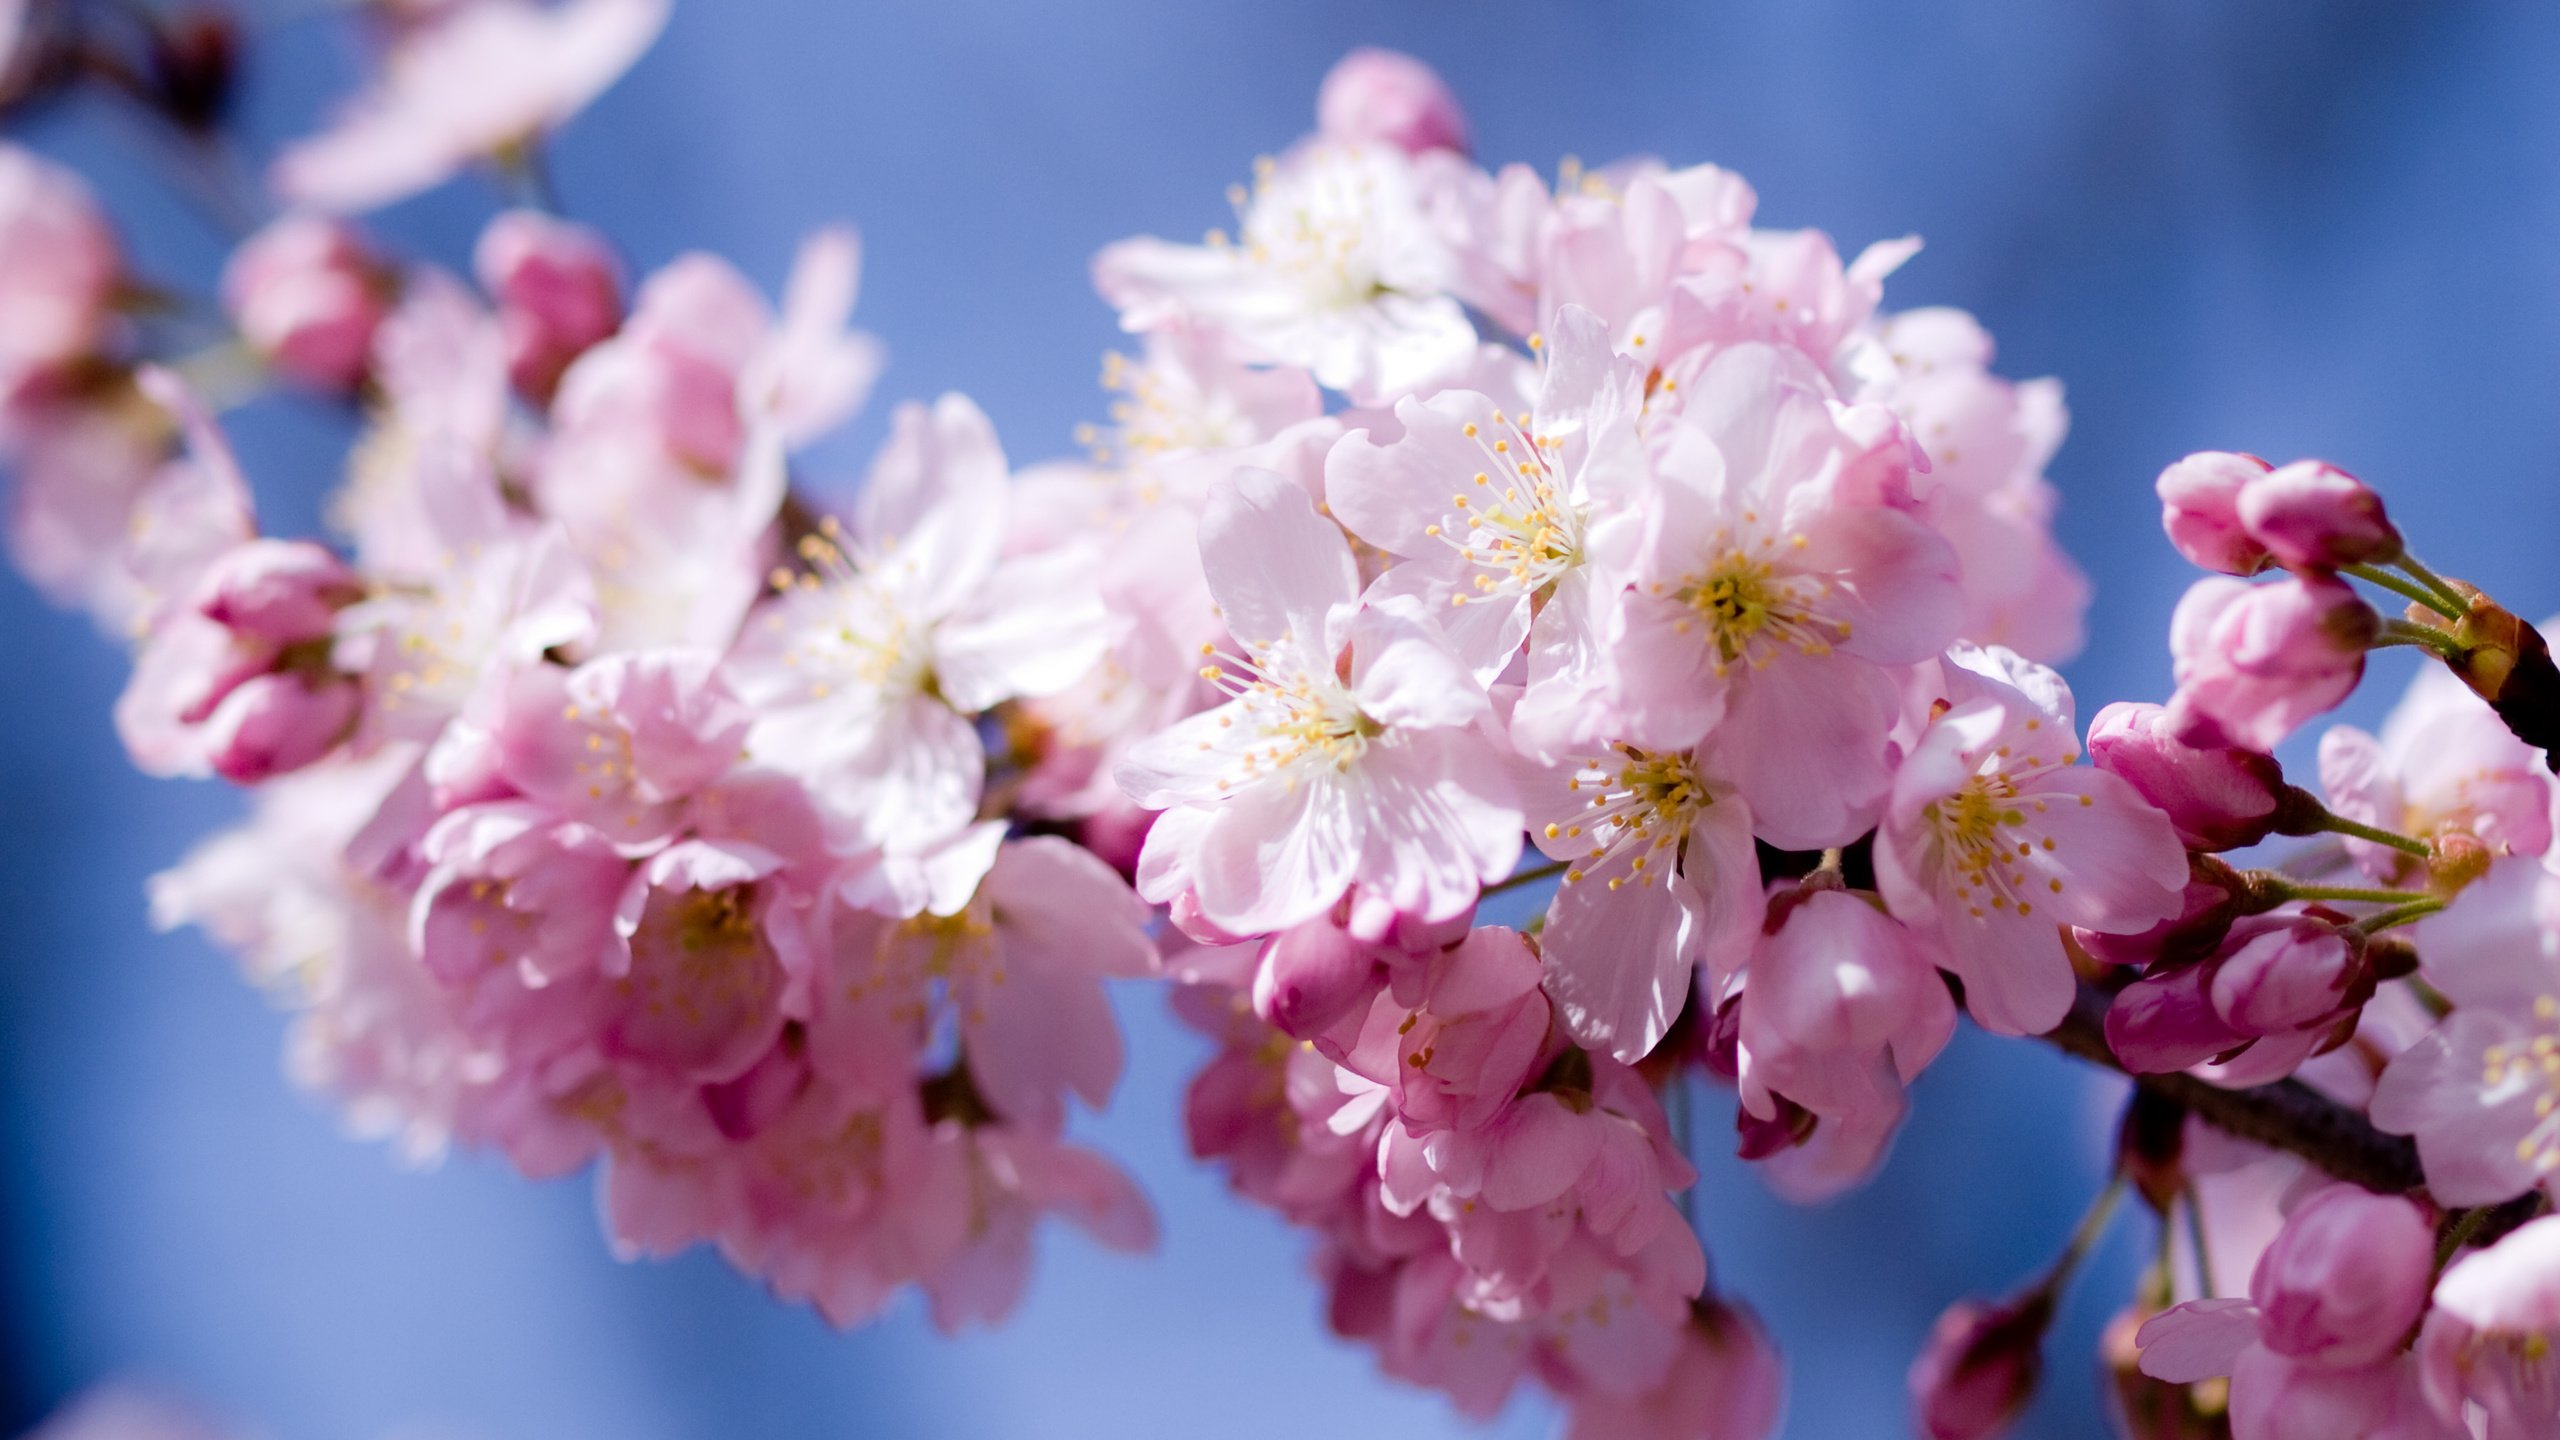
(2200, 508)
(1662, 883)
(2255, 661)
(113, 1411)
(2346, 1279)
(1727, 1383)
(2317, 1348)
(307, 294)
(2491, 1339)
(2221, 798)
(2312, 515)
(59, 266)
(558, 290)
(1993, 839)
(475, 82)
(1315, 775)
(1388, 96)
(1458, 1059)
(2444, 764)
(1766, 604)
(1979, 1367)
(2474, 1091)
(1336, 269)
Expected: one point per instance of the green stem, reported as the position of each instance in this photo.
(2399, 915)
(1530, 876)
(2459, 1233)
(2341, 825)
(2435, 582)
(2352, 894)
(2396, 585)
(2093, 1224)
(2401, 632)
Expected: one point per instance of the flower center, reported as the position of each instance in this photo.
(1642, 804)
(1522, 531)
(1752, 609)
(1290, 718)
(1312, 227)
(868, 643)
(1980, 827)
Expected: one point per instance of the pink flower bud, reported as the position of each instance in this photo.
(2282, 973)
(2219, 799)
(272, 724)
(558, 288)
(1376, 920)
(2255, 661)
(2312, 515)
(2200, 508)
(307, 295)
(1979, 1367)
(1311, 976)
(2166, 1022)
(2206, 909)
(2345, 1279)
(59, 265)
(284, 592)
(1383, 95)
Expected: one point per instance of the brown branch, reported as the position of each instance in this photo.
(2287, 1115)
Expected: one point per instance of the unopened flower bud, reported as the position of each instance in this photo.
(1312, 975)
(276, 723)
(1758, 1139)
(307, 295)
(2255, 661)
(2314, 516)
(2200, 508)
(1979, 1366)
(2218, 798)
(2215, 895)
(558, 290)
(1387, 96)
(59, 265)
(2282, 973)
(2346, 1278)
(2166, 1022)
(284, 592)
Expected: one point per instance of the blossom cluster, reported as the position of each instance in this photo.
(1462, 544)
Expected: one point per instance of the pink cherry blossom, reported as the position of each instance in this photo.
(2489, 1340)
(2444, 764)
(307, 294)
(1993, 838)
(1388, 96)
(2474, 1091)
(479, 81)
(1767, 604)
(2255, 661)
(61, 264)
(1663, 884)
(2200, 508)
(2317, 1348)
(1727, 1383)
(2218, 798)
(866, 670)
(1840, 1009)
(558, 289)
(1987, 441)
(1334, 268)
(1315, 774)
(1979, 1367)
(1550, 537)
(2311, 515)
